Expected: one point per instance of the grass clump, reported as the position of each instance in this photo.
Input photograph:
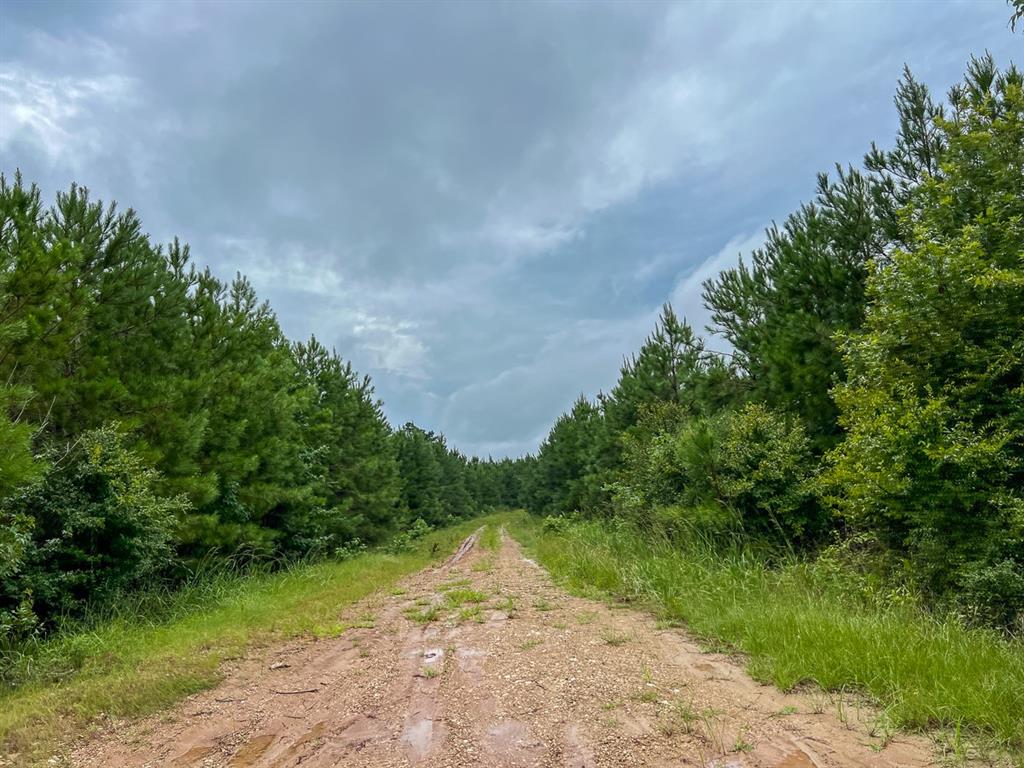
(423, 615)
(472, 613)
(483, 565)
(461, 595)
(796, 626)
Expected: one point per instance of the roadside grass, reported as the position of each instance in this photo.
(148, 653)
(798, 629)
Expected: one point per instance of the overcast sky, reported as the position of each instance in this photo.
(482, 205)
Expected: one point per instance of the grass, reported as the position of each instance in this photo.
(483, 565)
(614, 639)
(459, 596)
(472, 613)
(490, 539)
(424, 615)
(798, 630)
(678, 718)
(146, 656)
(543, 604)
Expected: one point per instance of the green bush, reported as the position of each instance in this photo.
(749, 469)
(765, 472)
(405, 541)
(91, 528)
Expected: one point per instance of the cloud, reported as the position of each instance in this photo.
(55, 116)
(481, 205)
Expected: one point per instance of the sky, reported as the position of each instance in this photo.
(482, 205)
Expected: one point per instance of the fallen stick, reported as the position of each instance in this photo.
(289, 693)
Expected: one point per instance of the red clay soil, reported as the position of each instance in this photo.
(530, 676)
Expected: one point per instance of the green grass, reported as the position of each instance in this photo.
(462, 595)
(797, 628)
(490, 539)
(147, 656)
(424, 615)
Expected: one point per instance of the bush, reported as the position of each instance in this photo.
(765, 475)
(750, 468)
(405, 540)
(92, 527)
(993, 594)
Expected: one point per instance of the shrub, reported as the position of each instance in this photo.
(405, 540)
(92, 527)
(750, 468)
(765, 472)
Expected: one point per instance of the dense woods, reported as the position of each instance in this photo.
(155, 417)
(873, 398)
(870, 398)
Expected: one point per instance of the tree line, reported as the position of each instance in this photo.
(153, 416)
(873, 395)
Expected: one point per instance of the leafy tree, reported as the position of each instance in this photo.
(934, 405)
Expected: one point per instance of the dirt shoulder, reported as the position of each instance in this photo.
(483, 661)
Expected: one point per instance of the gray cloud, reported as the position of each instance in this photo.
(482, 205)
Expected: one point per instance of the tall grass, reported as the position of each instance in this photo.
(153, 650)
(796, 625)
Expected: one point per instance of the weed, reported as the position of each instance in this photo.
(471, 612)
(461, 595)
(615, 639)
(713, 728)
(508, 605)
(741, 744)
(648, 696)
(424, 615)
(455, 584)
(483, 565)
(680, 717)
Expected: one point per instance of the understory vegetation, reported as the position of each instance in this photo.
(134, 657)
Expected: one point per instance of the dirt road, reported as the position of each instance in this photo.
(485, 662)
